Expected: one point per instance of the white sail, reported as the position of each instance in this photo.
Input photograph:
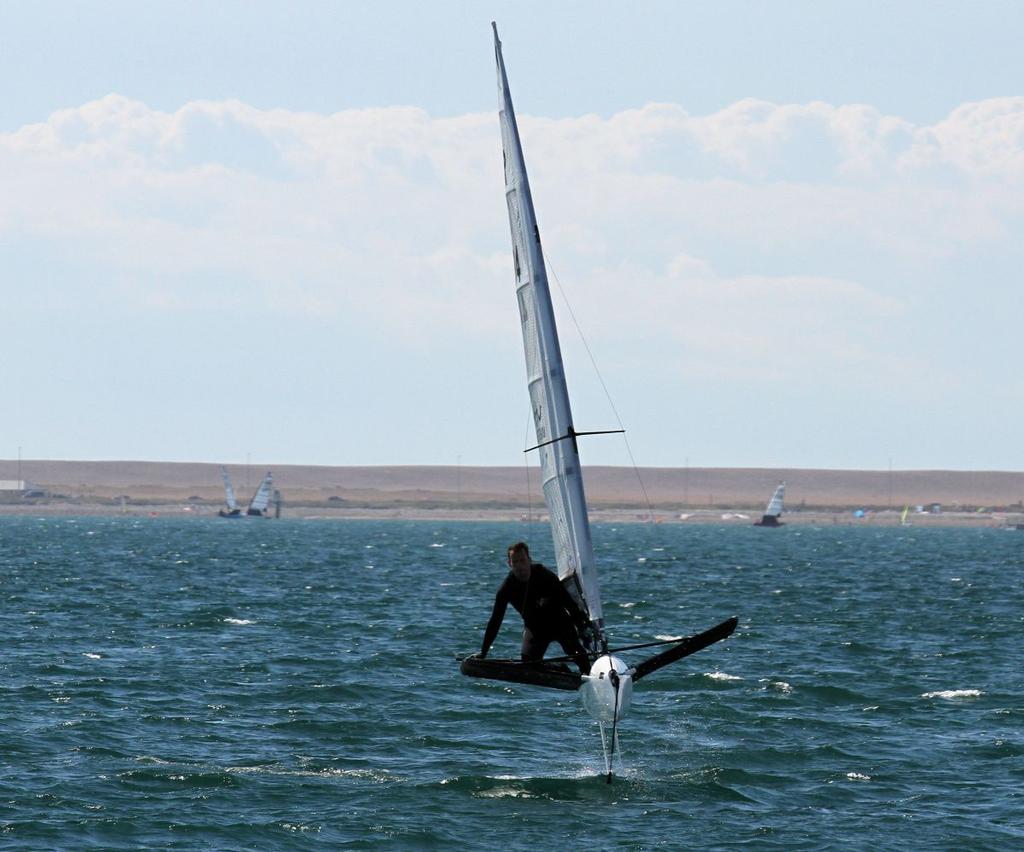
(549, 397)
(261, 499)
(229, 492)
(775, 504)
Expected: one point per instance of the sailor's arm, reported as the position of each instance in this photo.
(570, 606)
(494, 624)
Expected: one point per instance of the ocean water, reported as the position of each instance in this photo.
(208, 684)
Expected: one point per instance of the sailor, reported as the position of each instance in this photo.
(549, 612)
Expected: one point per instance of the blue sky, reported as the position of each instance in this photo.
(790, 232)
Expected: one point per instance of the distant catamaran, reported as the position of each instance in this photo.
(257, 506)
(607, 689)
(774, 510)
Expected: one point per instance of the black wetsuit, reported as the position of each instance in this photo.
(549, 615)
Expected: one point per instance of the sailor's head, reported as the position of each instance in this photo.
(519, 560)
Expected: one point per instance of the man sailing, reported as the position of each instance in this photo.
(549, 613)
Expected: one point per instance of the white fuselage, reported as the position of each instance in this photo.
(601, 699)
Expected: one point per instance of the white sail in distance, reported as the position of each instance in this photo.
(261, 499)
(549, 396)
(775, 504)
(229, 492)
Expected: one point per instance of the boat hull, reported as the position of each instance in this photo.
(768, 521)
(551, 675)
(602, 698)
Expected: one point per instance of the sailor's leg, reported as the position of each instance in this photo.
(533, 646)
(571, 645)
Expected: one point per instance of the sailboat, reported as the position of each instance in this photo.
(606, 692)
(232, 510)
(257, 506)
(773, 511)
(903, 516)
(261, 499)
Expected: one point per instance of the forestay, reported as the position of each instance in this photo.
(549, 397)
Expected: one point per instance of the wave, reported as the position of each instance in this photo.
(953, 693)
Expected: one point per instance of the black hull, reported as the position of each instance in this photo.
(769, 521)
(551, 675)
(234, 513)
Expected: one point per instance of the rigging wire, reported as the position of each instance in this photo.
(604, 387)
(529, 494)
(675, 641)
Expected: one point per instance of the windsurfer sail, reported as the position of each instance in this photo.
(607, 689)
(773, 511)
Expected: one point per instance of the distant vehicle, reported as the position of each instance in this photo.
(773, 511)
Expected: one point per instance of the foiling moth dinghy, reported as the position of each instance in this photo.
(773, 511)
(607, 690)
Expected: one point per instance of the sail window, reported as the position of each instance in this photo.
(515, 257)
(524, 312)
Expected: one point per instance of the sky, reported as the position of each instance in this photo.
(779, 234)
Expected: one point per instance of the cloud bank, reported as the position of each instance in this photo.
(749, 237)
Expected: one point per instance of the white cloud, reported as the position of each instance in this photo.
(393, 217)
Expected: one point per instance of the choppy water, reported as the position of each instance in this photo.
(256, 684)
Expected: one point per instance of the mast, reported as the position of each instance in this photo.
(549, 395)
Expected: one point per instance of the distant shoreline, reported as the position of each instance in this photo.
(423, 492)
(883, 518)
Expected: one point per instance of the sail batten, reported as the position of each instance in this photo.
(549, 397)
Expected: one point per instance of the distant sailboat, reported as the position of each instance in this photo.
(606, 690)
(903, 517)
(257, 506)
(232, 510)
(774, 509)
(261, 499)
